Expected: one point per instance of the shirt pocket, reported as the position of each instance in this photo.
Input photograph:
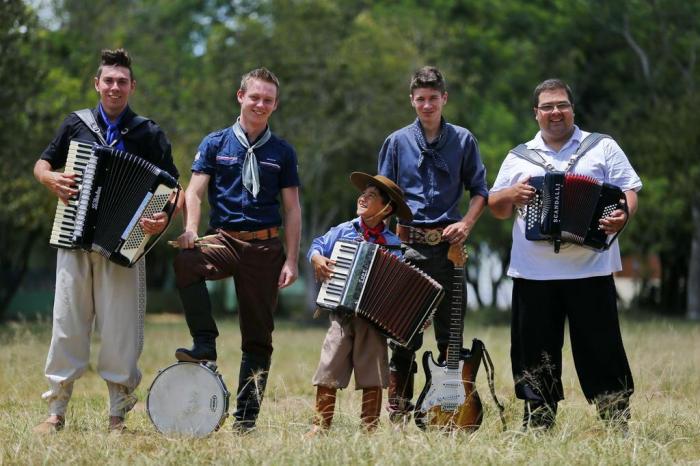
(226, 160)
(269, 175)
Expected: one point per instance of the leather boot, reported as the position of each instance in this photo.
(252, 379)
(325, 407)
(400, 393)
(371, 407)
(539, 414)
(195, 301)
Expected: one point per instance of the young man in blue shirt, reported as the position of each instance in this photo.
(352, 343)
(246, 170)
(433, 162)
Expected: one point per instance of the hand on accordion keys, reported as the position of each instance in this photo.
(62, 185)
(613, 222)
(155, 224)
(522, 193)
(323, 267)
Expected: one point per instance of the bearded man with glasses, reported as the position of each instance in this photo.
(575, 283)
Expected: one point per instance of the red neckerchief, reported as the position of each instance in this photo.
(373, 235)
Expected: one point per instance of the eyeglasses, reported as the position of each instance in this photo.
(549, 108)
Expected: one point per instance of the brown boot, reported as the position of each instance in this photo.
(400, 392)
(371, 407)
(51, 425)
(325, 406)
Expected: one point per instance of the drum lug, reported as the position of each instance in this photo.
(211, 365)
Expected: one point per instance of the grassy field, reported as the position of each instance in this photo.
(665, 427)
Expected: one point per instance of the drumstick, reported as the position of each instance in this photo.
(199, 242)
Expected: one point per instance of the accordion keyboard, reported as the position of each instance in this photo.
(331, 291)
(64, 224)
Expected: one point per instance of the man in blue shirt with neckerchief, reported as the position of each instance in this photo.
(432, 161)
(246, 170)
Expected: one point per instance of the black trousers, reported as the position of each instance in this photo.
(540, 309)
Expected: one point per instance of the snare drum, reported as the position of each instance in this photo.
(188, 399)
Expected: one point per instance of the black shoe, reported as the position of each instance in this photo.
(539, 415)
(614, 411)
(198, 353)
(243, 427)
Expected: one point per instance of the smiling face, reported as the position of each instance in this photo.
(115, 86)
(555, 116)
(258, 102)
(428, 103)
(370, 204)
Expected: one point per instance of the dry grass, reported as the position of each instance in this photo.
(665, 428)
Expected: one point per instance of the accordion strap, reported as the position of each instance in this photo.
(534, 156)
(88, 118)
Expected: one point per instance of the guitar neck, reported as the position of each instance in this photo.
(457, 256)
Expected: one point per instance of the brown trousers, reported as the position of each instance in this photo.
(255, 267)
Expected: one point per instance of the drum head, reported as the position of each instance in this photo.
(187, 399)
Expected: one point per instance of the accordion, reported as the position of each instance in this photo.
(374, 284)
(568, 207)
(116, 189)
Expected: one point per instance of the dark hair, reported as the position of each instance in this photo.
(262, 74)
(118, 57)
(430, 77)
(551, 85)
(385, 197)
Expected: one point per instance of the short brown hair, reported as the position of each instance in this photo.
(551, 85)
(430, 77)
(262, 74)
(118, 57)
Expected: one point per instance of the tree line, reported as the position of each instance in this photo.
(344, 69)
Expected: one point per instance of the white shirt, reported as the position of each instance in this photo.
(536, 260)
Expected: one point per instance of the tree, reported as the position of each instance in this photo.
(23, 74)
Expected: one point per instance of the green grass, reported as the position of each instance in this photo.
(665, 427)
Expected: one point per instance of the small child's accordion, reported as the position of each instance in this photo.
(374, 284)
(116, 190)
(568, 207)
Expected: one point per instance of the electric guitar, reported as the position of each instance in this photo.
(449, 399)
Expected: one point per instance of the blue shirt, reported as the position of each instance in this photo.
(221, 155)
(349, 230)
(433, 194)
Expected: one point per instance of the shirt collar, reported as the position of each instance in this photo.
(124, 117)
(357, 224)
(539, 144)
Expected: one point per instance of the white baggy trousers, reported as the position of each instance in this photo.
(94, 293)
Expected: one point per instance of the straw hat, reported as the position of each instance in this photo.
(361, 180)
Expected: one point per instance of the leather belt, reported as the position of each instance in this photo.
(430, 236)
(265, 233)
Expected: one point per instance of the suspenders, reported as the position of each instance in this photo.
(533, 156)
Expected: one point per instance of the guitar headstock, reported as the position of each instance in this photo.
(457, 254)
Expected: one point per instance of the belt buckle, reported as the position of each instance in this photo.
(432, 237)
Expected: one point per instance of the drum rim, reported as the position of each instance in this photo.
(217, 376)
